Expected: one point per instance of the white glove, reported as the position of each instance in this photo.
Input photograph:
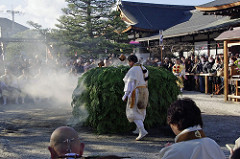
(125, 96)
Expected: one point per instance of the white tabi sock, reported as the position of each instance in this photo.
(4, 100)
(142, 131)
(139, 123)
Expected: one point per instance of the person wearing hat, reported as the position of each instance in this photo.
(136, 95)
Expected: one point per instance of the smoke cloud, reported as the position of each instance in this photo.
(50, 84)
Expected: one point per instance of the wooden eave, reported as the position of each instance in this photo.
(233, 40)
(144, 30)
(125, 18)
(233, 12)
(229, 35)
(138, 29)
(216, 8)
(126, 30)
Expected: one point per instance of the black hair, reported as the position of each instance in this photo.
(236, 154)
(184, 113)
(133, 58)
(109, 157)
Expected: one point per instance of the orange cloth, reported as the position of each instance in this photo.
(133, 96)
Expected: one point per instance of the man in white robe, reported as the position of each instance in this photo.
(136, 94)
(22, 82)
(184, 117)
(236, 147)
(237, 144)
(8, 85)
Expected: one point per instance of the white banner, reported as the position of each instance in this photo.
(160, 37)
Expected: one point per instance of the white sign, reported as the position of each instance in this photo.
(160, 37)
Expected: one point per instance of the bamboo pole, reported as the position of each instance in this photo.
(226, 70)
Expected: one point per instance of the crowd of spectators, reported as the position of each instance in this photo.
(21, 72)
(194, 69)
(82, 64)
(197, 67)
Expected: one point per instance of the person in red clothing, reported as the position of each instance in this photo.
(179, 70)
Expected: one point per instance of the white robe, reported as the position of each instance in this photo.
(204, 148)
(133, 79)
(237, 144)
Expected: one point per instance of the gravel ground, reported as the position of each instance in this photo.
(25, 130)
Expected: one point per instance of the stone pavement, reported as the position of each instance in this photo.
(25, 130)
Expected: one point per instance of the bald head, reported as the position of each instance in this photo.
(61, 134)
(65, 140)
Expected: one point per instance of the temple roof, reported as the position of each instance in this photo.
(218, 5)
(233, 34)
(198, 23)
(6, 27)
(153, 16)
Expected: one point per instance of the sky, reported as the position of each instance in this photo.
(46, 12)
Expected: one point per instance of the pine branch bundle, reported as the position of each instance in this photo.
(103, 93)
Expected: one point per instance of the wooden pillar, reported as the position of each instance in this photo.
(237, 93)
(206, 85)
(226, 70)
(208, 44)
(216, 47)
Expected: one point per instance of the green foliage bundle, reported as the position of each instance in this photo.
(102, 98)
